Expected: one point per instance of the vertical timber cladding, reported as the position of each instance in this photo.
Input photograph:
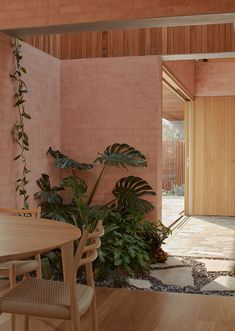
(214, 156)
(138, 42)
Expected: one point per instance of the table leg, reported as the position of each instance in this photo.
(67, 260)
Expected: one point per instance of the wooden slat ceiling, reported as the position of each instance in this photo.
(172, 105)
(136, 42)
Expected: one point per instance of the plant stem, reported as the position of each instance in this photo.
(18, 132)
(95, 186)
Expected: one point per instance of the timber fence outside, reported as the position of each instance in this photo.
(173, 164)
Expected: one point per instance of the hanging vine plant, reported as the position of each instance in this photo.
(19, 134)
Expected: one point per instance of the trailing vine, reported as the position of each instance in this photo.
(18, 132)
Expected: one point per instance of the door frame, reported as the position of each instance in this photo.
(170, 80)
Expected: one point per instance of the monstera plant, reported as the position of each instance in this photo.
(128, 191)
(125, 249)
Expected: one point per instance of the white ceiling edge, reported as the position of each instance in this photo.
(197, 56)
(126, 24)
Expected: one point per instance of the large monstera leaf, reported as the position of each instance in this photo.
(129, 190)
(122, 155)
(48, 194)
(64, 162)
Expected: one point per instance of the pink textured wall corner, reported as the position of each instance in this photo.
(113, 100)
(80, 110)
(184, 71)
(43, 103)
(215, 78)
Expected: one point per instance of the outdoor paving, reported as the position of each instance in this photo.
(213, 265)
(140, 283)
(170, 262)
(174, 276)
(222, 283)
(204, 236)
(172, 206)
(205, 241)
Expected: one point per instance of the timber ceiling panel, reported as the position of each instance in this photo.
(136, 42)
(172, 105)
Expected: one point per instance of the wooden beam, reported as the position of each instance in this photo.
(63, 16)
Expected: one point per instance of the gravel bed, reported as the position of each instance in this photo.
(201, 278)
(200, 275)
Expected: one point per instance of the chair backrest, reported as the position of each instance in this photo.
(36, 212)
(86, 253)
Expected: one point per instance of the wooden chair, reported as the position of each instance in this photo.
(59, 300)
(12, 269)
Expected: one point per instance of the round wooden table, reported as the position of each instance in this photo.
(22, 237)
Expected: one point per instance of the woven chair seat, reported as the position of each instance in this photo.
(21, 267)
(45, 298)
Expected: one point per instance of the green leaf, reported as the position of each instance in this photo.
(62, 161)
(24, 134)
(26, 115)
(25, 142)
(17, 157)
(128, 191)
(19, 102)
(122, 155)
(77, 185)
(23, 70)
(48, 194)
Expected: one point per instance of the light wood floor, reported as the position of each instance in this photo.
(125, 310)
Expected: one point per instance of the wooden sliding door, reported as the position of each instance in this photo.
(210, 127)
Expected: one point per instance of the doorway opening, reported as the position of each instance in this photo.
(174, 100)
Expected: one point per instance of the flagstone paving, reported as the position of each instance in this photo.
(140, 283)
(204, 236)
(201, 259)
(217, 265)
(172, 261)
(222, 283)
(174, 276)
(172, 206)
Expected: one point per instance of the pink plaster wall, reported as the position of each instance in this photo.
(113, 100)
(80, 107)
(43, 103)
(215, 78)
(184, 71)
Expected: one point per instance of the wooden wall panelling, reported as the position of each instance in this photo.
(213, 135)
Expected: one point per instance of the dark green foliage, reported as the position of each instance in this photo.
(19, 134)
(129, 240)
(64, 162)
(128, 192)
(128, 246)
(122, 155)
(154, 234)
(48, 194)
(123, 249)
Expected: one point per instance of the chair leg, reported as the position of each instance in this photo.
(12, 279)
(68, 326)
(94, 315)
(13, 322)
(75, 322)
(39, 268)
(25, 323)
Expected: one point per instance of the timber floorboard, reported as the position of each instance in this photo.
(129, 310)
